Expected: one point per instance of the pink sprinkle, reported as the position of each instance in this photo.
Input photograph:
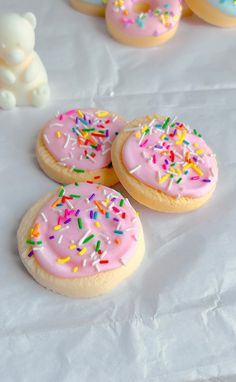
(59, 220)
(144, 143)
(70, 112)
(164, 167)
(195, 177)
(115, 209)
(154, 159)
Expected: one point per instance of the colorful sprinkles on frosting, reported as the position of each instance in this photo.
(168, 156)
(158, 18)
(84, 230)
(81, 139)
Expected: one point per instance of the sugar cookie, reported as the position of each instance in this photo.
(164, 165)
(143, 23)
(217, 12)
(186, 11)
(90, 7)
(76, 146)
(81, 240)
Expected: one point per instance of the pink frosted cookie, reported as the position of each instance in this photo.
(81, 240)
(143, 23)
(164, 165)
(76, 146)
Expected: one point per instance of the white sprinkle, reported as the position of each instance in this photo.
(69, 204)
(170, 184)
(141, 139)
(93, 255)
(118, 226)
(91, 158)
(97, 268)
(106, 151)
(135, 237)
(135, 169)
(159, 174)
(38, 248)
(64, 228)
(133, 220)
(115, 118)
(86, 147)
(130, 229)
(46, 138)
(44, 217)
(56, 124)
(122, 261)
(95, 262)
(84, 237)
(103, 254)
(84, 263)
(65, 158)
(61, 164)
(60, 239)
(67, 141)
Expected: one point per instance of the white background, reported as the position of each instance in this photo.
(175, 319)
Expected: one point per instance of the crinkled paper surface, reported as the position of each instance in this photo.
(175, 319)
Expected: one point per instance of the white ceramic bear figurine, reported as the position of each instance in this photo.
(23, 78)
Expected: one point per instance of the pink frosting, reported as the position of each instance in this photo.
(161, 16)
(67, 140)
(80, 212)
(169, 157)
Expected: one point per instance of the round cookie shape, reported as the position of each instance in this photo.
(82, 240)
(90, 7)
(165, 165)
(76, 146)
(221, 13)
(143, 23)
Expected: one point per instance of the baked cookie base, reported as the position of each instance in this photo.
(143, 193)
(139, 42)
(210, 14)
(88, 9)
(66, 175)
(83, 287)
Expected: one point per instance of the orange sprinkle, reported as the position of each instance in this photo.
(117, 241)
(99, 206)
(35, 230)
(56, 202)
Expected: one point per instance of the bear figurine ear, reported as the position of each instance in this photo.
(30, 17)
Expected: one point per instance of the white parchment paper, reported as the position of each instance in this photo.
(175, 319)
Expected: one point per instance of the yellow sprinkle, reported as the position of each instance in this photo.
(80, 114)
(63, 260)
(138, 135)
(102, 113)
(137, 213)
(163, 136)
(145, 128)
(97, 224)
(83, 250)
(200, 151)
(58, 133)
(197, 170)
(57, 227)
(182, 138)
(196, 144)
(164, 178)
(75, 269)
(177, 170)
(187, 166)
(72, 246)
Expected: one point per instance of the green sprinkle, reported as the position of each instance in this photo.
(88, 239)
(171, 176)
(74, 196)
(179, 180)
(98, 245)
(118, 232)
(200, 135)
(107, 215)
(165, 124)
(195, 131)
(91, 129)
(76, 184)
(62, 192)
(186, 142)
(39, 242)
(78, 170)
(122, 202)
(172, 164)
(30, 242)
(80, 224)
